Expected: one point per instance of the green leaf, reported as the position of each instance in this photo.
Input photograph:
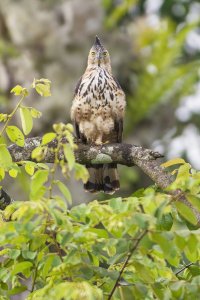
(19, 90)
(15, 135)
(64, 190)
(4, 286)
(144, 273)
(42, 86)
(180, 241)
(43, 90)
(69, 155)
(5, 157)
(101, 233)
(29, 254)
(183, 172)
(2, 172)
(26, 119)
(4, 274)
(81, 172)
(21, 266)
(48, 137)
(194, 270)
(48, 264)
(94, 259)
(30, 168)
(17, 290)
(165, 222)
(35, 113)
(38, 180)
(172, 162)
(194, 200)
(70, 127)
(70, 291)
(186, 212)
(13, 173)
(38, 153)
(42, 166)
(14, 253)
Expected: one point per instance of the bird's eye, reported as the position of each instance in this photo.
(93, 53)
(105, 53)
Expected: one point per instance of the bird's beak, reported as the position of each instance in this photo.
(99, 57)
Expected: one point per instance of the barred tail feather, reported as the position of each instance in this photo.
(110, 179)
(102, 178)
(94, 183)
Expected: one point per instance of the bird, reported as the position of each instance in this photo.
(97, 112)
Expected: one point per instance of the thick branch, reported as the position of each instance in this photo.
(125, 154)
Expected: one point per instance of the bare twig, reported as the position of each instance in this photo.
(126, 262)
(185, 267)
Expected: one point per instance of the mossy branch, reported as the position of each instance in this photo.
(124, 154)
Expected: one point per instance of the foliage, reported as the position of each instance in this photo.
(163, 69)
(163, 75)
(145, 246)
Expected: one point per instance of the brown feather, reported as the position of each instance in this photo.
(97, 111)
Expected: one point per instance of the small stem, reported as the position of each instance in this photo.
(53, 170)
(11, 115)
(126, 262)
(34, 279)
(59, 251)
(181, 270)
(57, 246)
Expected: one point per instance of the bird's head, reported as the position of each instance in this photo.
(99, 56)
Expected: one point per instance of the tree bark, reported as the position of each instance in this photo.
(125, 154)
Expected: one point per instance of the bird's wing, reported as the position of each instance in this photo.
(119, 129)
(79, 135)
(119, 117)
(77, 86)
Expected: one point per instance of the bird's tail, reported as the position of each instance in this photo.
(102, 178)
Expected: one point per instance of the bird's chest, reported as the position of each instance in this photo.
(97, 89)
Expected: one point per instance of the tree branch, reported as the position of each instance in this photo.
(125, 154)
(5, 199)
(126, 262)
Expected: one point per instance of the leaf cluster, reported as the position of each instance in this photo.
(145, 246)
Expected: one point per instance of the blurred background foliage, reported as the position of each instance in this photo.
(155, 51)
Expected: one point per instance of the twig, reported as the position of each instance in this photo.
(55, 243)
(53, 171)
(185, 267)
(126, 263)
(34, 279)
(12, 114)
